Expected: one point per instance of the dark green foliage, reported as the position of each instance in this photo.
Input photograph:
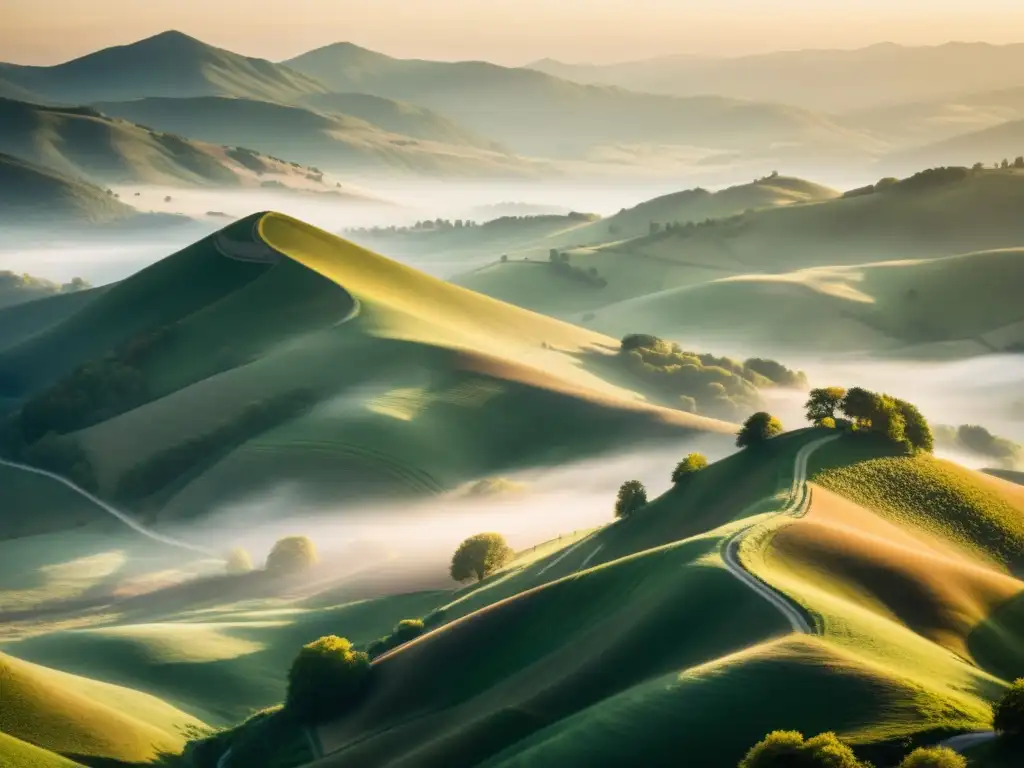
(166, 466)
(918, 432)
(691, 465)
(718, 386)
(480, 556)
(823, 403)
(63, 456)
(406, 630)
(933, 177)
(1008, 713)
(896, 420)
(327, 678)
(560, 264)
(292, 554)
(758, 429)
(776, 372)
(933, 757)
(859, 406)
(631, 498)
(788, 749)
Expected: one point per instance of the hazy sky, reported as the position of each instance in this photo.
(505, 31)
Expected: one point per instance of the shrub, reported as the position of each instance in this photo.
(828, 423)
(1009, 712)
(691, 465)
(326, 678)
(238, 562)
(934, 757)
(408, 629)
(292, 554)
(632, 497)
(788, 749)
(480, 556)
(758, 429)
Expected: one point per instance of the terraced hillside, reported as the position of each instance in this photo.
(184, 385)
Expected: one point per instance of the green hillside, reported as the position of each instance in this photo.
(327, 139)
(184, 389)
(23, 754)
(168, 64)
(987, 145)
(502, 103)
(81, 142)
(17, 289)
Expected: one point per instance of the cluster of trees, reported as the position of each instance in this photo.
(632, 495)
(977, 439)
(560, 263)
(1018, 162)
(929, 178)
(786, 749)
(164, 467)
(447, 225)
(16, 288)
(703, 383)
(894, 419)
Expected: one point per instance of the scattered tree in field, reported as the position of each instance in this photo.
(823, 403)
(479, 556)
(631, 498)
(238, 562)
(758, 429)
(292, 554)
(1009, 713)
(933, 757)
(788, 749)
(691, 465)
(326, 678)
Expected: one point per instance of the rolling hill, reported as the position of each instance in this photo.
(200, 352)
(988, 145)
(17, 289)
(835, 80)
(81, 142)
(168, 64)
(762, 275)
(334, 142)
(540, 115)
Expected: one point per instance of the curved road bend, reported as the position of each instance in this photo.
(116, 513)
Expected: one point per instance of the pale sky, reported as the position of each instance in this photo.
(505, 31)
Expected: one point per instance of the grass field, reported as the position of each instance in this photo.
(15, 752)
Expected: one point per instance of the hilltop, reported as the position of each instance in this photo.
(82, 142)
(580, 121)
(206, 345)
(335, 142)
(168, 64)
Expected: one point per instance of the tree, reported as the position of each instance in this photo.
(632, 497)
(1009, 713)
(406, 630)
(691, 465)
(292, 554)
(978, 167)
(480, 556)
(1019, 162)
(238, 562)
(859, 406)
(326, 678)
(758, 429)
(933, 757)
(788, 749)
(822, 403)
(916, 428)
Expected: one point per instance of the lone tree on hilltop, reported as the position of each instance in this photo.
(823, 403)
(631, 498)
(1009, 713)
(758, 429)
(788, 749)
(326, 678)
(689, 466)
(292, 554)
(480, 556)
(933, 757)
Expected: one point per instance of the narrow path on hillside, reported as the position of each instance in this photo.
(116, 513)
(794, 614)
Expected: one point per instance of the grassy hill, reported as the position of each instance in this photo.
(17, 289)
(81, 142)
(17, 752)
(987, 145)
(203, 349)
(639, 628)
(835, 80)
(78, 717)
(168, 64)
(537, 114)
(329, 140)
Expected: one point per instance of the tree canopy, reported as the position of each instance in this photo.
(1009, 712)
(758, 429)
(480, 556)
(691, 465)
(326, 678)
(787, 749)
(631, 498)
(823, 403)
